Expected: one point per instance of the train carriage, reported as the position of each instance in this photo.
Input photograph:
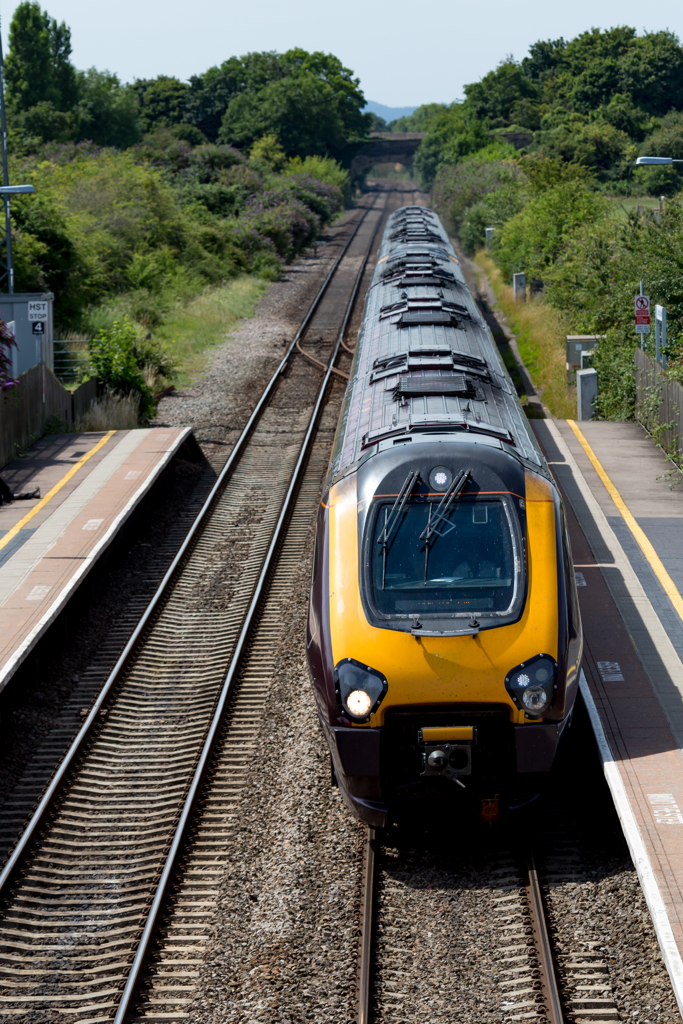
(444, 637)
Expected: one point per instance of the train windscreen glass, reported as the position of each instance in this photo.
(465, 564)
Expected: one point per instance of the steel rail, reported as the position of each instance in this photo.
(363, 1011)
(214, 728)
(551, 993)
(187, 812)
(58, 778)
(549, 986)
(342, 332)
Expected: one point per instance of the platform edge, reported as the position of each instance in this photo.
(13, 663)
(639, 855)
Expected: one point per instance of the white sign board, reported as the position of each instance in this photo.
(642, 311)
(37, 311)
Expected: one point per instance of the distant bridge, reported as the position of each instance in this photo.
(385, 148)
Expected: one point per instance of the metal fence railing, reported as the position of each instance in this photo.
(659, 404)
(70, 360)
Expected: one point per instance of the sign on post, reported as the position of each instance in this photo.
(37, 312)
(642, 308)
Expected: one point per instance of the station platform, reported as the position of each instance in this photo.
(624, 503)
(89, 484)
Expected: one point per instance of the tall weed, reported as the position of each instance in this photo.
(113, 411)
(540, 332)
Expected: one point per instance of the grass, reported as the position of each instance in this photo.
(540, 331)
(623, 206)
(202, 323)
(111, 412)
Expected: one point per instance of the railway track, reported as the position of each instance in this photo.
(131, 830)
(489, 932)
(417, 916)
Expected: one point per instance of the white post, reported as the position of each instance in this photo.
(660, 335)
(657, 321)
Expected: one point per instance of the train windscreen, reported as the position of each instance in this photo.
(465, 563)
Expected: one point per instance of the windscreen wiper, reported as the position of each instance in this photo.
(391, 518)
(442, 512)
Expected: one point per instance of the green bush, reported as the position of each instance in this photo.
(459, 187)
(534, 239)
(268, 150)
(322, 168)
(498, 207)
(118, 361)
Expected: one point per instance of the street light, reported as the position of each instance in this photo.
(658, 161)
(7, 190)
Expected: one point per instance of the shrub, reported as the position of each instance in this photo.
(461, 186)
(7, 342)
(536, 237)
(322, 169)
(324, 198)
(268, 150)
(289, 225)
(113, 411)
(115, 362)
(494, 211)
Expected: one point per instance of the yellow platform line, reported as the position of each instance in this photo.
(639, 534)
(55, 490)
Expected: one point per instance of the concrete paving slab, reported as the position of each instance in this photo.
(632, 671)
(98, 480)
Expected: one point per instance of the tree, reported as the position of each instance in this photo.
(107, 110)
(38, 68)
(300, 110)
(161, 100)
(534, 239)
(377, 123)
(251, 88)
(453, 132)
(348, 97)
(494, 97)
(209, 95)
(545, 57)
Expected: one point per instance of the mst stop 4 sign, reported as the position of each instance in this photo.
(642, 308)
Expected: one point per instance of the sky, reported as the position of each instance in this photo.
(403, 53)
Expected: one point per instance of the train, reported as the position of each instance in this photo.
(444, 637)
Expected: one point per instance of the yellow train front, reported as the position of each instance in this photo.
(444, 638)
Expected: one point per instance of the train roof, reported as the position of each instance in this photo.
(426, 365)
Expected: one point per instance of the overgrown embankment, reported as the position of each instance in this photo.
(585, 253)
(540, 333)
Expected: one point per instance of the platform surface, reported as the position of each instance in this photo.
(89, 485)
(631, 609)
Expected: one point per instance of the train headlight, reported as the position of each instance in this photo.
(359, 703)
(532, 685)
(360, 689)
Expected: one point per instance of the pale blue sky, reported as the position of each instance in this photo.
(404, 53)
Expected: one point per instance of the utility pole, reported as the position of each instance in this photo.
(7, 271)
(9, 265)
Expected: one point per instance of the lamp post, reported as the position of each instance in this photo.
(7, 190)
(656, 161)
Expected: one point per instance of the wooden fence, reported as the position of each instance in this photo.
(25, 409)
(659, 404)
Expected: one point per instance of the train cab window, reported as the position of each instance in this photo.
(467, 565)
